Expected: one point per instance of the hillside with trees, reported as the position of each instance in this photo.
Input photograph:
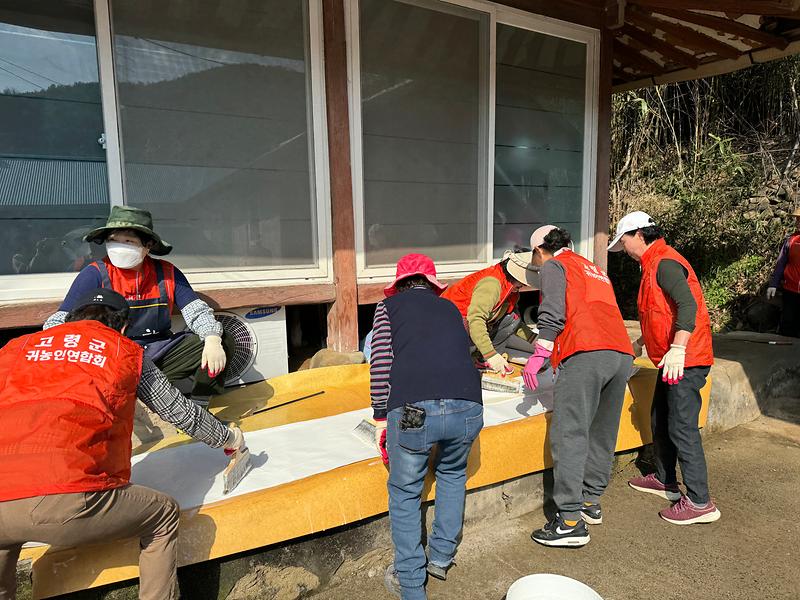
(716, 162)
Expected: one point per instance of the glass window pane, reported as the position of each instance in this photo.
(216, 136)
(53, 179)
(539, 133)
(424, 93)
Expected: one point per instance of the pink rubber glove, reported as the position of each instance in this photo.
(535, 363)
(382, 447)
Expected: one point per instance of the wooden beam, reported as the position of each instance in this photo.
(630, 57)
(615, 13)
(279, 295)
(343, 314)
(603, 178)
(624, 75)
(709, 69)
(746, 7)
(372, 293)
(668, 51)
(724, 25)
(683, 35)
(33, 314)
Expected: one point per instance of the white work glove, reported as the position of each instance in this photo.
(638, 347)
(235, 440)
(771, 291)
(673, 363)
(499, 364)
(213, 355)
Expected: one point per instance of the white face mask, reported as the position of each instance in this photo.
(125, 256)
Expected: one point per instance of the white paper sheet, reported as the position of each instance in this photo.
(192, 473)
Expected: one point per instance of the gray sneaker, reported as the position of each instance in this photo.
(391, 581)
(437, 571)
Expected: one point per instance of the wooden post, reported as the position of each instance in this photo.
(343, 313)
(603, 187)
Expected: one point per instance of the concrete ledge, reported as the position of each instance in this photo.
(751, 378)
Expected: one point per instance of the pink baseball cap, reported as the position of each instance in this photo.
(415, 264)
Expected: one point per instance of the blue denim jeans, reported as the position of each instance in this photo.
(453, 425)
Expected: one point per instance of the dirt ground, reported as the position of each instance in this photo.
(753, 552)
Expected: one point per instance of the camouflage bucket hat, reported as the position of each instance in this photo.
(128, 217)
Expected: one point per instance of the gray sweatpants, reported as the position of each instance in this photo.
(588, 397)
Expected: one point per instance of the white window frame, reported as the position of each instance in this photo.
(497, 14)
(36, 287)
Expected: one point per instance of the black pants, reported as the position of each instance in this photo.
(503, 334)
(676, 434)
(790, 314)
(183, 360)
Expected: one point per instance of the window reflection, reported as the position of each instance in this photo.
(215, 119)
(539, 134)
(424, 91)
(53, 180)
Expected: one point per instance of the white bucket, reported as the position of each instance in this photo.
(544, 586)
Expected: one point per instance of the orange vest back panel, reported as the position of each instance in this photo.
(67, 396)
(593, 320)
(460, 293)
(791, 274)
(657, 312)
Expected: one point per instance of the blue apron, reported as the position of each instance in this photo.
(150, 321)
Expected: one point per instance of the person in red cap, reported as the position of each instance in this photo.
(425, 391)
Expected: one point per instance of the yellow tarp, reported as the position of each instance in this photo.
(331, 499)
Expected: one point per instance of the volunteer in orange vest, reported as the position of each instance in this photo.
(676, 331)
(487, 302)
(153, 288)
(67, 397)
(787, 277)
(582, 334)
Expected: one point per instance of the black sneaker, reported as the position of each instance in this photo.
(558, 533)
(591, 513)
(437, 571)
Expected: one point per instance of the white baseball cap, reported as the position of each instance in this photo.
(630, 222)
(537, 237)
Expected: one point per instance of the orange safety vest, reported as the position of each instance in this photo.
(791, 274)
(657, 312)
(460, 293)
(150, 295)
(593, 321)
(67, 396)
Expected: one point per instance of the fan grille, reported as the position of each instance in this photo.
(245, 349)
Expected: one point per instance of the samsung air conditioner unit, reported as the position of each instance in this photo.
(261, 342)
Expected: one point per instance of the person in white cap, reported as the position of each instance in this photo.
(676, 330)
(487, 301)
(582, 333)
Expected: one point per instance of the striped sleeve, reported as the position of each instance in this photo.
(380, 363)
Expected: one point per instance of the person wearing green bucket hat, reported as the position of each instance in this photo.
(153, 288)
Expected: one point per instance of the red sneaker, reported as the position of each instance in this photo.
(685, 512)
(651, 485)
